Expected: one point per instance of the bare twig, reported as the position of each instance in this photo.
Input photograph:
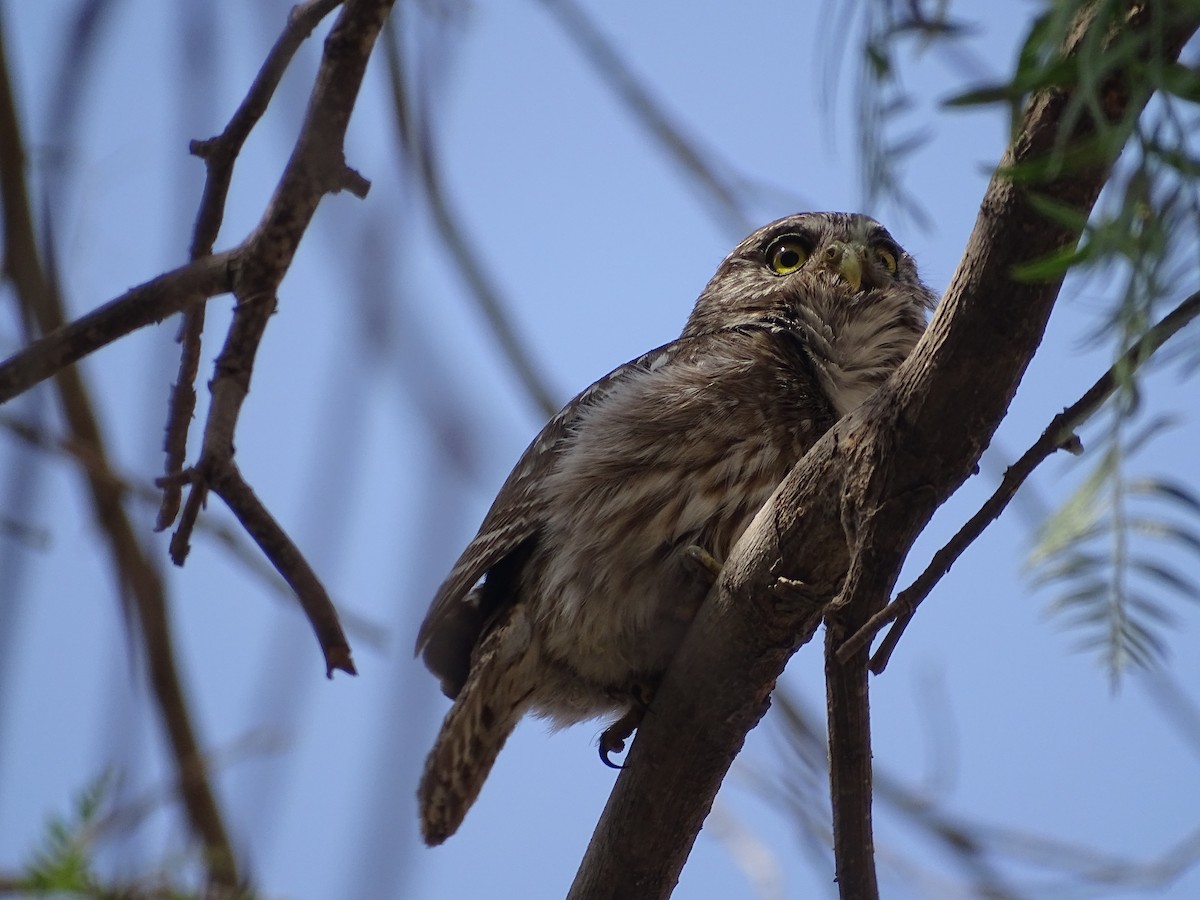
(229, 388)
(229, 485)
(252, 271)
(217, 471)
(143, 305)
(317, 167)
(233, 540)
(219, 155)
(181, 406)
(1060, 430)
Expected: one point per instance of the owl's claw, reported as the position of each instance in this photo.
(705, 562)
(615, 735)
(610, 745)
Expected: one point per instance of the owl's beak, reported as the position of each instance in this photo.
(845, 260)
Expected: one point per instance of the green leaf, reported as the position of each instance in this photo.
(1166, 576)
(1152, 609)
(1166, 531)
(1182, 81)
(1166, 490)
(1055, 210)
(984, 96)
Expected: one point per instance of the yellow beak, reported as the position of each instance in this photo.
(845, 260)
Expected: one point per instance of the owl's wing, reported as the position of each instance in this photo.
(458, 615)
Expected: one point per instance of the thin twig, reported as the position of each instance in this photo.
(220, 154)
(216, 471)
(181, 406)
(229, 485)
(415, 135)
(229, 388)
(138, 307)
(232, 539)
(317, 167)
(1058, 433)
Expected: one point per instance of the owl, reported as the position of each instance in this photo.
(604, 540)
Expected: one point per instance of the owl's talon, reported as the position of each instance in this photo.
(605, 750)
(615, 735)
(705, 561)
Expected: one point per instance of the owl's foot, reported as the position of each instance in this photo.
(615, 735)
(705, 562)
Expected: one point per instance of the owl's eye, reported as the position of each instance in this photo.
(888, 258)
(786, 254)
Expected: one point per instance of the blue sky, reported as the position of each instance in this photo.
(381, 456)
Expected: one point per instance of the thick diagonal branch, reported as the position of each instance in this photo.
(844, 520)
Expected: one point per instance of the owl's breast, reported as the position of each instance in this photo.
(856, 345)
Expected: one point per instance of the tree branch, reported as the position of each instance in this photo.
(1060, 430)
(220, 153)
(845, 518)
(253, 272)
(229, 485)
(138, 307)
(317, 167)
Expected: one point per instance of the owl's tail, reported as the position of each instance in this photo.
(485, 713)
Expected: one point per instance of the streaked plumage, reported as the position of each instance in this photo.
(587, 589)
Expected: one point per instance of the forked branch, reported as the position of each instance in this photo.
(841, 524)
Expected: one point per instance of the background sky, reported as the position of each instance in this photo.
(382, 418)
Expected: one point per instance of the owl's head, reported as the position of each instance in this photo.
(837, 281)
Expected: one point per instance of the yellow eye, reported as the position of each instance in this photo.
(786, 254)
(888, 258)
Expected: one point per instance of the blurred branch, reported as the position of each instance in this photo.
(1059, 434)
(139, 579)
(710, 177)
(953, 837)
(219, 154)
(982, 851)
(841, 524)
(416, 138)
(233, 540)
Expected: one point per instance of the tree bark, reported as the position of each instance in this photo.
(841, 524)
